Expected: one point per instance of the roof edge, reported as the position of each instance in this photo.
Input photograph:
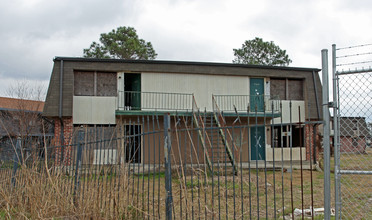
(82, 59)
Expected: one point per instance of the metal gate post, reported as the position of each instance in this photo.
(78, 162)
(168, 174)
(326, 133)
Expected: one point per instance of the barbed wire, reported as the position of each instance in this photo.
(354, 63)
(353, 55)
(350, 47)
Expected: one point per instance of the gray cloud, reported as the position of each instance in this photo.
(33, 32)
(36, 32)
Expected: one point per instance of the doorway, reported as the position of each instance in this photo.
(132, 88)
(258, 150)
(133, 143)
(256, 94)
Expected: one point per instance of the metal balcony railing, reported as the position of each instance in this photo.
(244, 103)
(154, 101)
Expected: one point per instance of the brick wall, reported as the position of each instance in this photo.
(63, 150)
(351, 145)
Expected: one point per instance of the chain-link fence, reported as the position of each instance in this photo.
(353, 121)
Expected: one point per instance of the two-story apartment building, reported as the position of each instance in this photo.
(92, 92)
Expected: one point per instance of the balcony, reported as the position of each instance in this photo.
(135, 102)
(246, 104)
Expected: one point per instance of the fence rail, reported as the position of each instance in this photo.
(121, 172)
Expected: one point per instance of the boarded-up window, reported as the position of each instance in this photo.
(106, 84)
(287, 89)
(88, 83)
(83, 83)
(295, 89)
(277, 88)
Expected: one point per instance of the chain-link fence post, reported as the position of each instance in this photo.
(336, 141)
(168, 174)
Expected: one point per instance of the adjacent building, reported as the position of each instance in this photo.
(22, 118)
(354, 134)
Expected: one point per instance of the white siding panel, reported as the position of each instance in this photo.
(287, 111)
(202, 86)
(93, 110)
(104, 157)
(81, 109)
(296, 156)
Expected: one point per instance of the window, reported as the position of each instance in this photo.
(89, 83)
(101, 144)
(278, 88)
(295, 89)
(132, 143)
(282, 136)
(287, 89)
(98, 136)
(106, 84)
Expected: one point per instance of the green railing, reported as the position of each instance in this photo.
(244, 103)
(154, 101)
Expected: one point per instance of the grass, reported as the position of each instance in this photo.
(40, 195)
(3, 214)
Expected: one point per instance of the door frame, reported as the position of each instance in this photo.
(254, 98)
(135, 99)
(140, 142)
(251, 143)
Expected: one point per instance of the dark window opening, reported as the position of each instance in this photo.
(100, 143)
(132, 143)
(99, 136)
(282, 136)
(298, 136)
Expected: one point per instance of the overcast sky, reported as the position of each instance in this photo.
(33, 32)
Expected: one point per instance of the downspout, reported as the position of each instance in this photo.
(60, 104)
(315, 143)
(318, 113)
(316, 95)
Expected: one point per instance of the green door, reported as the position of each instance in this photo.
(132, 86)
(258, 143)
(256, 91)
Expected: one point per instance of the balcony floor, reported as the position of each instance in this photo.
(189, 113)
(144, 112)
